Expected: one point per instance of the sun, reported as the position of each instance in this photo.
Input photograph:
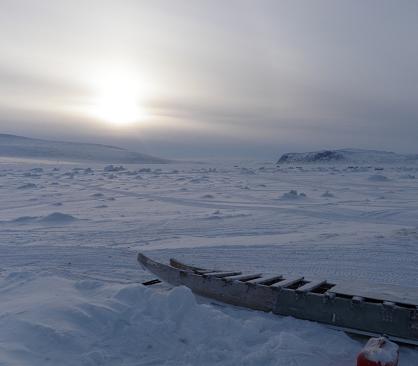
(118, 100)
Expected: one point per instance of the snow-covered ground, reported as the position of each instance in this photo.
(70, 286)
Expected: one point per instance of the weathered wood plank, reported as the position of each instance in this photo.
(222, 274)
(177, 264)
(207, 271)
(310, 286)
(244, 277)
(267, 281)
(287, 282)
(151, 282)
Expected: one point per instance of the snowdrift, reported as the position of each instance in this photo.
(61, 322)
(52, 320)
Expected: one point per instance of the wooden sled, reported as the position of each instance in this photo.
(358, 308)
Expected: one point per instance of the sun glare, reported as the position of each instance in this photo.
(118, 101)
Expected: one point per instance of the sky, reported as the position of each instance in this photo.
(216, 78)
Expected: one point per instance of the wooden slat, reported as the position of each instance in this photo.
(310, 286)
(267, 281)
(222, 274)
(177, 264)
(244, 278)
(207, 271)
(288, 282)
(151, 282)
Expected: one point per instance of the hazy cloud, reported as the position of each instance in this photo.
(228, 78)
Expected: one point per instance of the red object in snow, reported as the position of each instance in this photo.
(379, 352)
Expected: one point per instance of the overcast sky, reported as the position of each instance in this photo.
(212, 78)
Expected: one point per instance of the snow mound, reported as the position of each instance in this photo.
(31, 175)
(408, 176)
(57, 218)
(27, 186)
(62, 322)
(24, 219)
(218, 215)
(347, 156)
(293, 195)
(37, 170)
(378, 178)
(247, 171)
(113, 168)
(208, 196)
(23, 147)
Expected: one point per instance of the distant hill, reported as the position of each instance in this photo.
(23, 147)
(347, 156)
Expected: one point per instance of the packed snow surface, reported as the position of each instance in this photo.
(70, 286)
(23, 147)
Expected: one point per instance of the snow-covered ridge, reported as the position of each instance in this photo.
(23, 147)
(348, 156)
